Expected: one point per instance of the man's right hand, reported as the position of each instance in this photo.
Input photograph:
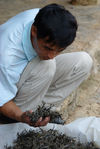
(41, 122)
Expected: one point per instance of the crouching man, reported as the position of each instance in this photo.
(32, 69)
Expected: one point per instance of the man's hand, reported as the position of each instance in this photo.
(14, 112)
(41, 122)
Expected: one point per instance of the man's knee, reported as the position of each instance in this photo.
(86, 62)
(49, 67)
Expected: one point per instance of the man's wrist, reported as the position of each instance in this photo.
(18, 117)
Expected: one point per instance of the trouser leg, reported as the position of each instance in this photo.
(71, 70)
(34, 83)
(52, 80)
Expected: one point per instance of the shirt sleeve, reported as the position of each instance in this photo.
(8, 87)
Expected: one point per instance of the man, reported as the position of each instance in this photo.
(32, 69)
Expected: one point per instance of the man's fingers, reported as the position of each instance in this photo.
(30, 111)
(47, 119)
(44, 122)
(41, 122)
(38, 122)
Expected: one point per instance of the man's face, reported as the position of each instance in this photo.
(44, 50)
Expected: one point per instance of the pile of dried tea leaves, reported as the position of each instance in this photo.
(43, 111)
(50, 139)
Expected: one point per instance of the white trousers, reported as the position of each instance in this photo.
(53, 80)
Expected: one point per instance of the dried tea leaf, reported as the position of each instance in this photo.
(43, 111)
(50, 139)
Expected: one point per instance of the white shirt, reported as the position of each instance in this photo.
(15, 52)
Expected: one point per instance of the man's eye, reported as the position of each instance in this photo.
(60, 50)
(47, 48)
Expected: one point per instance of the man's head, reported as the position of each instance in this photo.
(54, 29)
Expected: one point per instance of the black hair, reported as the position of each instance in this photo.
(57, 23)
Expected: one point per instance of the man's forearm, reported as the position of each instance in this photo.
(11, 110)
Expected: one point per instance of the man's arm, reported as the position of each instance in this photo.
(10, 110)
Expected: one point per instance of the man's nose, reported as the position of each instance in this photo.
(52, 55)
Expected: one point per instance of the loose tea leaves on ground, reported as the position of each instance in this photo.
(50, 139)
(43, 111)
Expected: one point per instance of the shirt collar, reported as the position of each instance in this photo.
(26, 42)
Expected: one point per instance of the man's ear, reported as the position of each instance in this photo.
(34, 31)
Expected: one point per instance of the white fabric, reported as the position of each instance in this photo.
(13, 59)
(83, 129)
(53, 80)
